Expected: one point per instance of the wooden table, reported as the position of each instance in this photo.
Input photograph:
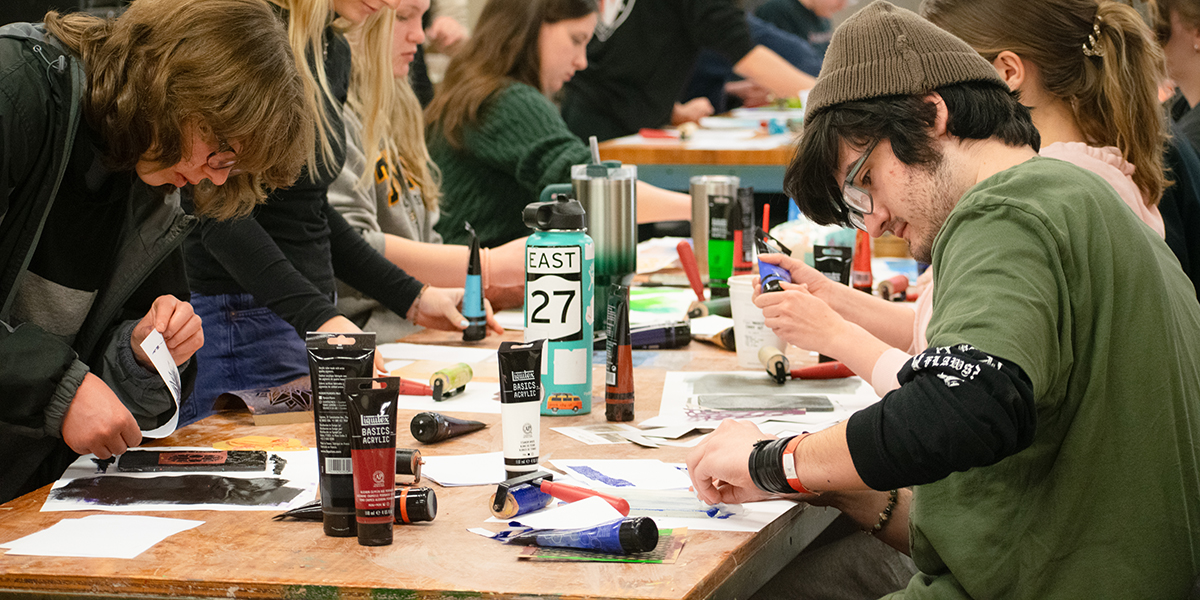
(671, 164)
(247, 555)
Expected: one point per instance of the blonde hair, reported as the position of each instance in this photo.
(1112, 93)
(390, 112)
(165, 65)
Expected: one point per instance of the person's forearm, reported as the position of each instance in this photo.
(656, 204)
(766, 68)
(864, 508)
(891, 322)
(436, 264)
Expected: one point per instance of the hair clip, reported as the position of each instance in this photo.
(1089, 47)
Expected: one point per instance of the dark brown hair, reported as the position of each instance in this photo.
(502, 50)
(223, 65)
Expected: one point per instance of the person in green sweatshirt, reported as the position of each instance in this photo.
(496, 135)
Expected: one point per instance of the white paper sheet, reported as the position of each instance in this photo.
(156, 348)
(479, 397)
(588, 512)
(299, 472)
(680, 390)
(100, 536)
(648, 474)
(512, 319)
(450, 354)
(464, 469)
(603, 433)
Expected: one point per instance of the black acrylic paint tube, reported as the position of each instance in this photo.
(411, 505)
(332, 359)
(520, 405)
(430, 427)
(408, 462)
(619, 536)
(372, 404)
(834, 262)
(618, 368)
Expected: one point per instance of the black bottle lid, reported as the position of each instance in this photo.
(415, 504)
(638, 534)
(562, 213)
(374, 534)
(339, 525)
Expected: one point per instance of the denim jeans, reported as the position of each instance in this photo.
(246, 346)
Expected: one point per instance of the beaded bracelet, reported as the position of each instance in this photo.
(415, 308)
(886, 515)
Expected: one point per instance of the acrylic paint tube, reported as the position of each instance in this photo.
(372, 404)
(618, 368)
(430, 427)
(771, 276)
(408, 462)
(833, 262)
(332, 359)
(741, 223)
(472, 304)
(520, 405)
(411, 504)
(860, 268)
(619, 536)
(521, 499)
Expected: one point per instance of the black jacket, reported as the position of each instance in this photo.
(41, 91)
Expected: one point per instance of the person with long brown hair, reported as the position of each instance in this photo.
(493, 130)
(102, 120)
(261, 284)
(394, 205)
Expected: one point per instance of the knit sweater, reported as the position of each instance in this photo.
(517, 147)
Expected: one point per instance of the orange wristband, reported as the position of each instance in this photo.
(789, 464)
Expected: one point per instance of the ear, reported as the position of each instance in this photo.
(943, 115)
(1011, 69)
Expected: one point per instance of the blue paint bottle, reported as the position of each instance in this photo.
(472, 306)
(559, 281)
(768, 274)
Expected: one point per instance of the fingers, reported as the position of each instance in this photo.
(97, 423)
(492, 323)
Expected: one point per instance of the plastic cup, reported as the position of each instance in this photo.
(750, 330)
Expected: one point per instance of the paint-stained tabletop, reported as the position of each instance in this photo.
(249, 555)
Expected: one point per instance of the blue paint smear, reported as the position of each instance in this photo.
(601, 477)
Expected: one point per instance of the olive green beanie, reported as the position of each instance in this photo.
(884, 50)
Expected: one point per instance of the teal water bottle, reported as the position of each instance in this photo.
(559, 281)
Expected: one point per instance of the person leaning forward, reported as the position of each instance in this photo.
(1048, 433)
(100, 122)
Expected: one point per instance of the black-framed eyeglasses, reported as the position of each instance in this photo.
(857, 200)
(225, 157)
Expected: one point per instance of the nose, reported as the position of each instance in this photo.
(875, 223)
(217, 176)
(392, 4)
(416, 34)
(581, 61)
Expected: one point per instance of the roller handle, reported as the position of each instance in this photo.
(829, 370)
(571, 493)
(688, 260)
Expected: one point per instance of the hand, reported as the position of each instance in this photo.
(818, 284)
(445, 33)
(719, 466)
(179, 325)
(438, 309)
(97, 423)
(751, 93)
(506, 274)
(692, 110)
(799, 317)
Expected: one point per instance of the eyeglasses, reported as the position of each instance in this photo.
(857, 200)
(225, 157)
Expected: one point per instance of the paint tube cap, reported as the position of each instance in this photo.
(638, 534)
(374, 534)
(415, 504)
(339, 525)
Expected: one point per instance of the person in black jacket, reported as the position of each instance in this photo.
(100, 122)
